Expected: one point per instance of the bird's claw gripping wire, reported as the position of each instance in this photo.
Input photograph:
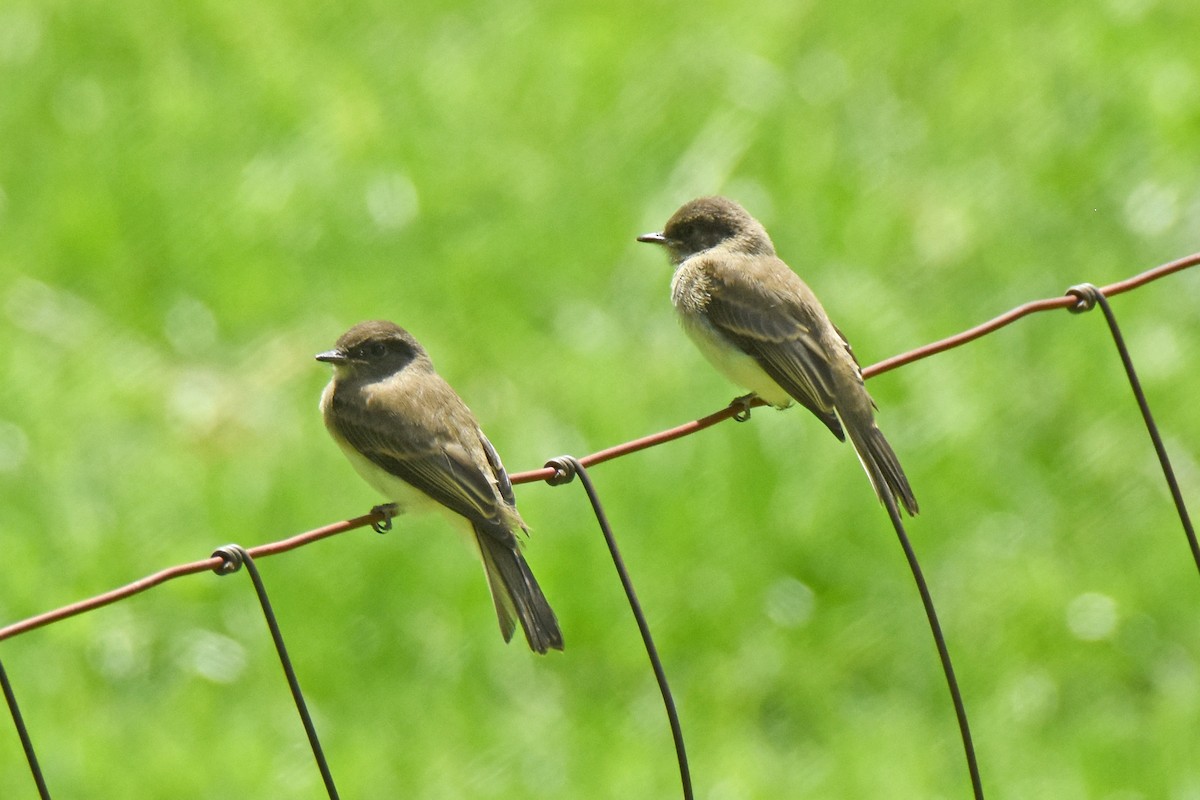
(386, 511)
(1086, 296)
(743, 404)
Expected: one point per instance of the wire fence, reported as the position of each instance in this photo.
(564, 469)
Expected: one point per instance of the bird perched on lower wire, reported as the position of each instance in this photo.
(763, 328)
(413, 439)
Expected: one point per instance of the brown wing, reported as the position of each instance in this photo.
(775, 329)
(464, 476)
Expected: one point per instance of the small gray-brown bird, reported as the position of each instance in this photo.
(413, 439)
(763, 328)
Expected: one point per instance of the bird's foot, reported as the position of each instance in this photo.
(743, 404)
(387, 511)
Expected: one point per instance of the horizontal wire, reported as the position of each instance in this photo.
(1009, 317)
(625, 448)
(204, 565)
(616, 451)
(886, 365)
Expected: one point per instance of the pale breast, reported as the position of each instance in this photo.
(689, 295)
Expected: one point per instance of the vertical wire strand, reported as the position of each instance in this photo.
(235, 556)
(1087, 296)
(26, 742)
(935, 627)
(1081, 302)
(565, 468)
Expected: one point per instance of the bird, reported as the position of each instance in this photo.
(762, 327)
(412, 438)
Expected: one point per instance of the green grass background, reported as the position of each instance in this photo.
(196, 197)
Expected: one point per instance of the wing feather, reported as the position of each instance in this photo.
(434, 461)
(778, 336)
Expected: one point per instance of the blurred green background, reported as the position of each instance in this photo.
(196, 197)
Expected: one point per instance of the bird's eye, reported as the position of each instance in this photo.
(378, 349)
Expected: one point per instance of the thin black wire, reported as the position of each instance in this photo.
(565, 469)
(1088, 296)
(616, 451)
(235, 556)
(935, 627)
(26, 742)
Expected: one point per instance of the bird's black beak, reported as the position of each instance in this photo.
(332, 357)
(653, 238)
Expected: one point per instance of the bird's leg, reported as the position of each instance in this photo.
(743, 404)
(387, 511)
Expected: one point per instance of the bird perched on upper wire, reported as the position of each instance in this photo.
(411, 437)
(763, 328)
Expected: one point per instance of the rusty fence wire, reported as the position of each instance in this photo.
(232, 558)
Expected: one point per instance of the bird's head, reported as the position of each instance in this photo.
(373, 350)
(709, 222)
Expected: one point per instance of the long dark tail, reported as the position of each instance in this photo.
(879, 460)
(515, 593)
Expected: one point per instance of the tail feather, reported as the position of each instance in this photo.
(880, 462)
(515, 593)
